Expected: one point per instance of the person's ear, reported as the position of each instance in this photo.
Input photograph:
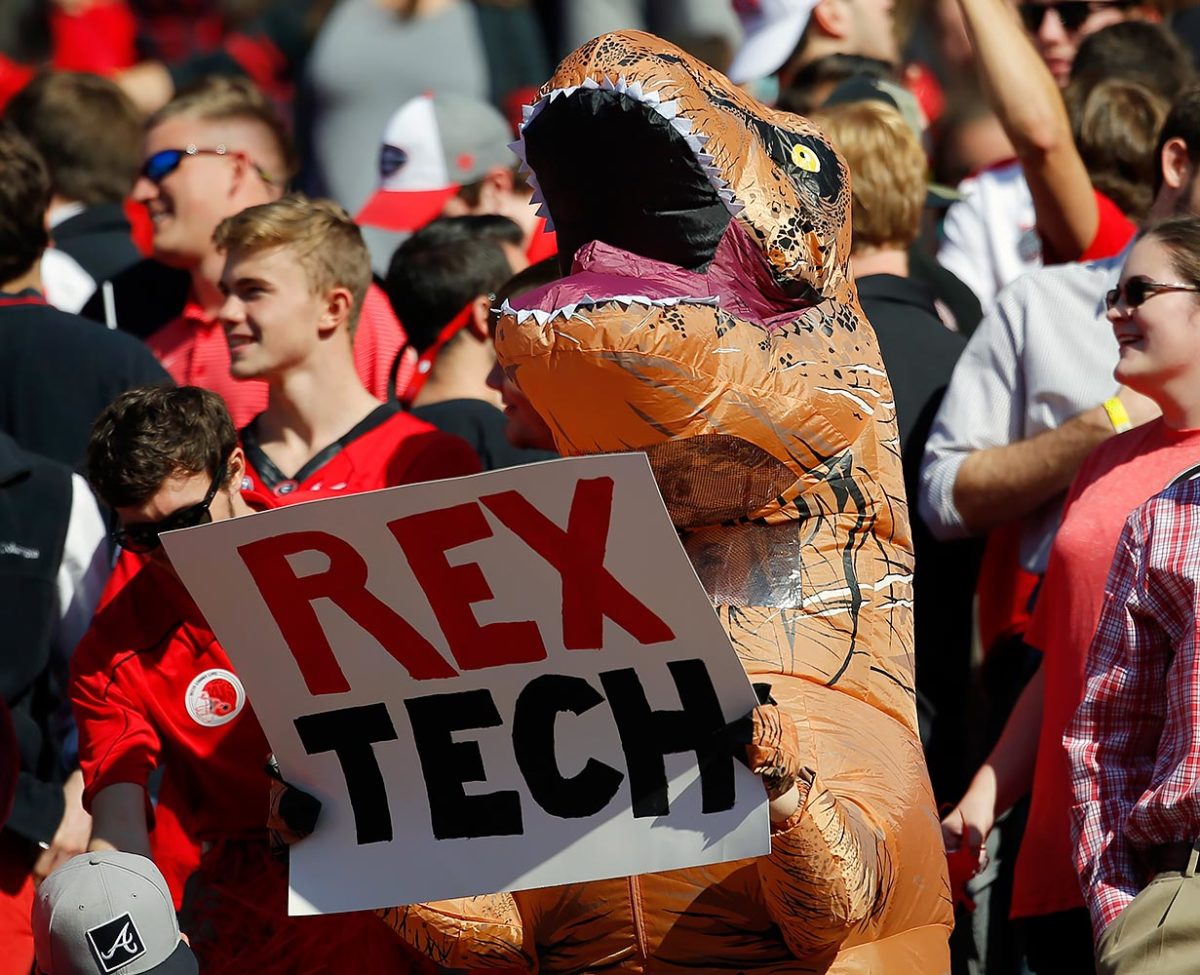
(235, 468)
(497, 185)
(339, 303)
(477, 324)
(1175, 163)
(832, 17)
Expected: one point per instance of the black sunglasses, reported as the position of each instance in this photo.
(1136, 291)
(1072, 13)
(164, 162)
(143, 536)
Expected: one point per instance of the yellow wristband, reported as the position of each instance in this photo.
(1118, 416)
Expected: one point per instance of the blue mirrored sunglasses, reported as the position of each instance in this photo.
(164, 162)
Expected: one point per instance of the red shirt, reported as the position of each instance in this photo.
(543, 243)
(1116, 477)
(388, 448)
(150, 684)
(192, 348)
(1114, 230)
(1134, 745)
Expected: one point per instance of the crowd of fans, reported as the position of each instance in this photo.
(252, 251)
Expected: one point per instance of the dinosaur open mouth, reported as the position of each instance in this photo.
(638, 180)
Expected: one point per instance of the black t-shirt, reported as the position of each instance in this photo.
(58, 371)
(482, 426)
(920, 354)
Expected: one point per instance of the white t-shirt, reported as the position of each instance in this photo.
(990, 235)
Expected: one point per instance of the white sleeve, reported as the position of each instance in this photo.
(66, 285)
(84, 569)
(982, 408)
(964, 250)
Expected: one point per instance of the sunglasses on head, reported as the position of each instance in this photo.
(164, 162)
(143, 536)
(1136, 291)
(1072, 13)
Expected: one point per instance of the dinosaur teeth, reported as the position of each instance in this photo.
(682, 124)
(668, 109)
(574, 310)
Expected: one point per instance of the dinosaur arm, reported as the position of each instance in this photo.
(484, 932)
(822, 878)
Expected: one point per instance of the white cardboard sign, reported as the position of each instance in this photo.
(492, 683)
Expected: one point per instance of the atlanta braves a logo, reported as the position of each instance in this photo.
(215, 697)
(116, 943)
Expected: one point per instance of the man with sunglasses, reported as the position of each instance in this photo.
(1040, 208)
(152, 686)
(216, 149)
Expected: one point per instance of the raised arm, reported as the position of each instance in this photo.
(1027, 101)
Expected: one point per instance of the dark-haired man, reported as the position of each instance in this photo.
(441, 282)
(87, 132)
(151, 685)
(57, 371)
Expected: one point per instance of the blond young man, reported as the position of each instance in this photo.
(296, 272)
(210, 153)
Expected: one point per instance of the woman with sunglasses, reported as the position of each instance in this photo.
(1155, 315)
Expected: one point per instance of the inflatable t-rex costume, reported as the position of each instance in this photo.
(709, 321)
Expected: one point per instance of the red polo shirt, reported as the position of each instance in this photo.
(192, 348)
(387, 448)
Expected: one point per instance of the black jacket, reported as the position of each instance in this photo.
(100, 239)
(35, 508)
(58, 371)
(920, 353)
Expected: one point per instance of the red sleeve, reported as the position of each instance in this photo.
(377, 341)
(13, 77)
(1113, 231)
(438, 455)
(117, 743)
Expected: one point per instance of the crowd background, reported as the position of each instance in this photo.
(990, 154)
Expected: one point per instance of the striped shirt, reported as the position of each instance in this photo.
(1133, 746)
(1044, 354)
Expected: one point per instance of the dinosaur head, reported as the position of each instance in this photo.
(707, 312)
(635, 144)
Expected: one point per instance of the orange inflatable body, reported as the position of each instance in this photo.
(710, 322)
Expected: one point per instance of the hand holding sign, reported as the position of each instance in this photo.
(498, 682)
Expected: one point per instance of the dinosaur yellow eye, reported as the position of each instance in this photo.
(806, 159)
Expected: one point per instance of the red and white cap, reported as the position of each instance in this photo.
(433, 145)
(771, 30)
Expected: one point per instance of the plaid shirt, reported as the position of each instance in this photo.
(1134, 744)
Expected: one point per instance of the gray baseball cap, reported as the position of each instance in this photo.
(108, 913)
(433, 145)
